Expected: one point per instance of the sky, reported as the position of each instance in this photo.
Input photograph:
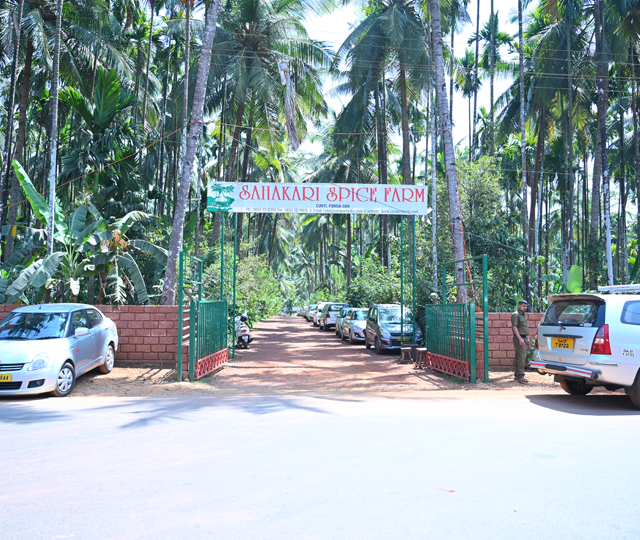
(333, 30)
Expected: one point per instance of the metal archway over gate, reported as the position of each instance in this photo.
(289, 198)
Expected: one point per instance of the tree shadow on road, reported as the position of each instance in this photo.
(597, 405)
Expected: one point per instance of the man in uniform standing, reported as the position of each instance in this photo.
(520, 329)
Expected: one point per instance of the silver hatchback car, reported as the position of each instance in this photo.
(589, 340)
(43, 348)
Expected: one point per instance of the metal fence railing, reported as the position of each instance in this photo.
(451, 333)
(208, 331)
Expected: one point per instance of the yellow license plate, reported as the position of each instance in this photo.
(562, 342)
(406, 338)
(5, 377)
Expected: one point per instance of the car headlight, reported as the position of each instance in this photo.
(41, 361)
(385, 333)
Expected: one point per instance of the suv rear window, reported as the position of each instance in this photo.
(631, 313)
(575, 313)
(335, 307)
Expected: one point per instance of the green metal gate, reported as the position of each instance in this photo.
(450, 339)
(204, 330)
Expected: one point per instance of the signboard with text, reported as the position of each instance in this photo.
(392, 199)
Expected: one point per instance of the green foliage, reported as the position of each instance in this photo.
(373, 285)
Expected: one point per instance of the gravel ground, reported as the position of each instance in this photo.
(290, 355)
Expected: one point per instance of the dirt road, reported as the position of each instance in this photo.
(289, 354)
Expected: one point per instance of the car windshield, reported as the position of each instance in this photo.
(392, 316)
(572, 313)
(312, 307)
(335, 307)
(33, 326)
(359, 315)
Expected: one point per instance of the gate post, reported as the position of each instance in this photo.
(472, 342)
(193, 341)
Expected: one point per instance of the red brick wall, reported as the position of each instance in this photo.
(501, 351)
(148, 334)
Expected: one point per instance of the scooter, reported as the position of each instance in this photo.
(243, 334)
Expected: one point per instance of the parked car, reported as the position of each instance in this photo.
(340, 319)
(303, 312)
(311, 312)
(353, 325)
(44, 348)
(317, 312)
(327, 317)
(588, 340)
(385, 330)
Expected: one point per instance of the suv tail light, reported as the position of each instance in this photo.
(537, 345)
(601, 343)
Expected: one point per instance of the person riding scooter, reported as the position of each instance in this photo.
(243, 334)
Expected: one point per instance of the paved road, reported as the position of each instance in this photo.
(448, 465)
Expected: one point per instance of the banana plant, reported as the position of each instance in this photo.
(87, 246)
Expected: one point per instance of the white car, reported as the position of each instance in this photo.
(329, 315)
(43, 348)
(317, 311)
(589, 340)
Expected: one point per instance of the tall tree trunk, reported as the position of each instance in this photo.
(175, 244)
(602, 79)
(537, 167)
(53, 124)
(457, 232)
(523, 152)
(570, 177)
(185, 97)
(475, 77)
(146, 77)
(235, 142)
(622, 217)
(453, 59)
(348, 271)
(20, 143)
(434, 195)
(636, 142)
(163, 117)
(8, 134)
(406, 145)
(492, 69)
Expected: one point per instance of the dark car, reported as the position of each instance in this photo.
(386, 330)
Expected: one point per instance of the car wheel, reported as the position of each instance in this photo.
(366, 342)
(575, 388)
(635, 397)
(343, 336)
(377, 346)
(315, 323)
(66, 380)
(109, 361)
(351, 340)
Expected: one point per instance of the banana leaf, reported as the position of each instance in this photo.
(48, 269)
(15, 290)
(127, 261)
(123, 224)
(77, 221)
(158, 253)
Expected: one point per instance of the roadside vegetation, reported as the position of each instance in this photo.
(125, 110)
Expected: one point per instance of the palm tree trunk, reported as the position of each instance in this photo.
(175, 244)
(602, 79)
(348, 271)
(457, 232)
(523, 152)
(235, 142)
(20, 143)
(434, 197)
(185, 95)
(406, 145)
(475, 78)
(492, 69)
(622, 217)
(453, 35)
(570, 177)
(537, 167)
(146, 78)
(53, 124)
(636, 143)
(8, 134)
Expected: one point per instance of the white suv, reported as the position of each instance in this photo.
(589, 340)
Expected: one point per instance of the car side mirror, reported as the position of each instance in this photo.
(82, 331)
